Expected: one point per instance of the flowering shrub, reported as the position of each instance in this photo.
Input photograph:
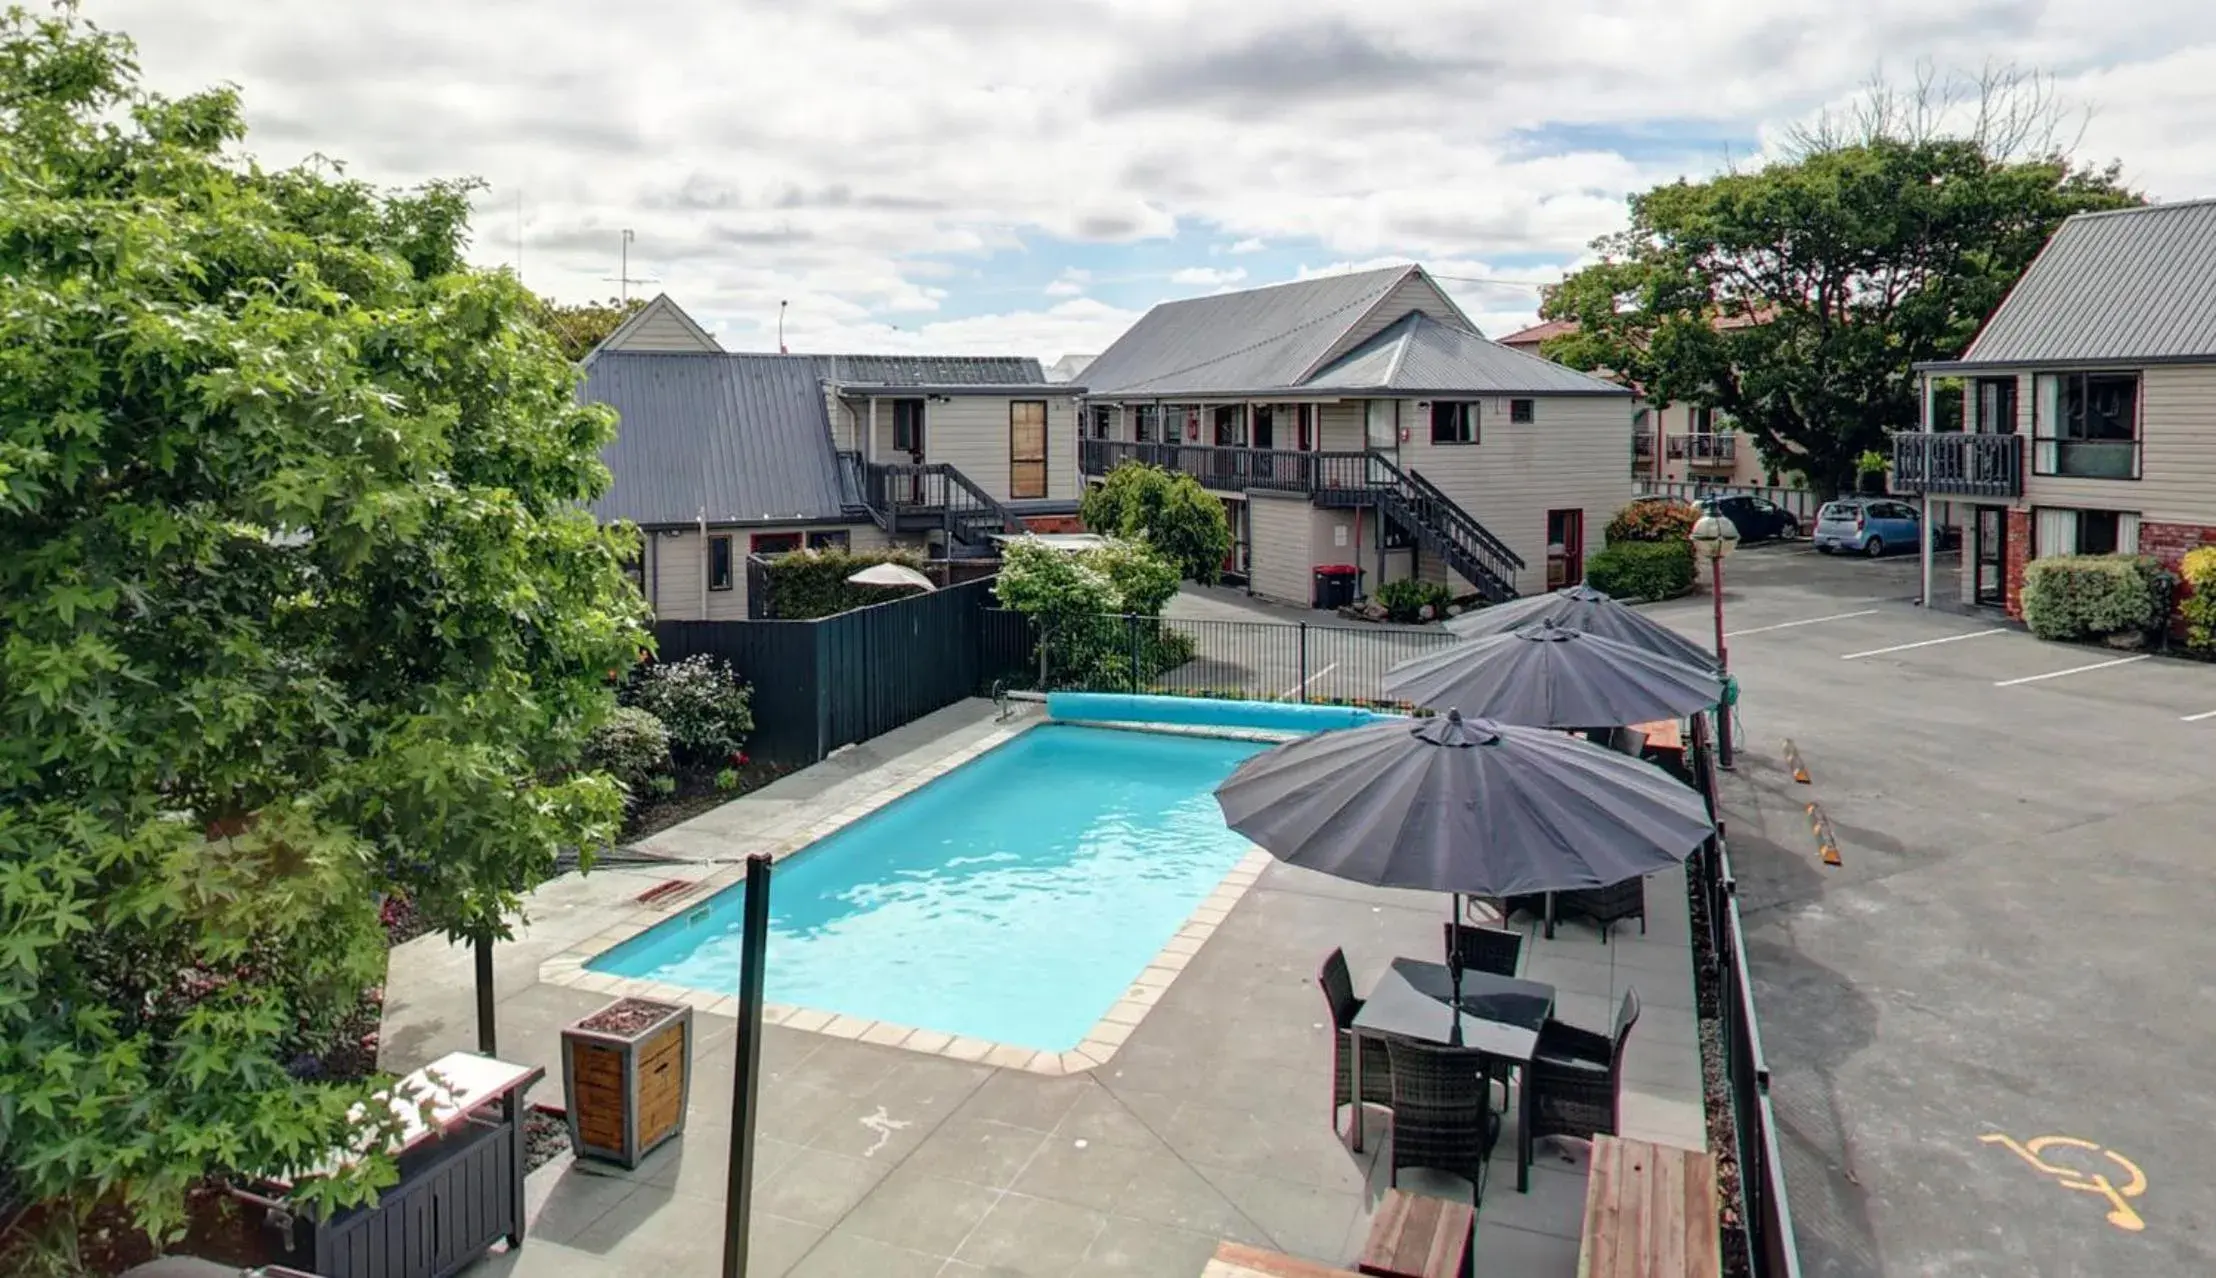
(1653, 521)
(707, 711)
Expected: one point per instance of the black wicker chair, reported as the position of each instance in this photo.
(1443, 1116)
(1377, 1065)
(1606, 906)
(1483, 949)
(1577, 1076)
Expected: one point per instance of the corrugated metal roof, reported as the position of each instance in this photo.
(1257, 338)
(930, 370)
(2126, 285)
(1418, 354)
(744, 437)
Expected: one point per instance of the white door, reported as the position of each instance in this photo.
(1382, 434)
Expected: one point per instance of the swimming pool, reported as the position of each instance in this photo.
(1013, 899)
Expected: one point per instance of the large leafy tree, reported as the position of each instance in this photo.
(1797, 296)
(298, 606)
(580, 326)
(1172, 513)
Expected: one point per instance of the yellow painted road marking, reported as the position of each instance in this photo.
(2120, 1213)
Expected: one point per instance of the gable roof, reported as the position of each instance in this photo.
(744, 438)
(930, 370)
(2121, 286)
(1256, 339)
(660, 325)
(1529, 338)
(1418, 354)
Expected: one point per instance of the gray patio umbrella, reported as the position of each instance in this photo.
(1592, 611)
(1550, 676)
(1467, 806)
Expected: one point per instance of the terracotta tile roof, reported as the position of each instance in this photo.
(1537, 333)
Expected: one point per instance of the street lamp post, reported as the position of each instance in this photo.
(1714, 538)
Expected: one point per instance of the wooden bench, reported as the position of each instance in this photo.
(1236, 1260)
(1418, 1236)
(1650, 1212)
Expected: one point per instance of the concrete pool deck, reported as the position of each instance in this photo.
(1204, 1125)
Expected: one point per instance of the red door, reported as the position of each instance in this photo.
(1565, 548)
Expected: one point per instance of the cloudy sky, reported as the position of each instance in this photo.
(1027, 176)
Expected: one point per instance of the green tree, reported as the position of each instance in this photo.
(1796, 297)
(299, 604)
(1170, 512)
(580, 326)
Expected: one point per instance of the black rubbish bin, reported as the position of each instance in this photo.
(1335, 584)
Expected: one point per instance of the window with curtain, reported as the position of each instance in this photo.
(1453, 422)
(2084, 532)
(1147, 423)
(1996, 405)
(2086, 425)
(1027, 449)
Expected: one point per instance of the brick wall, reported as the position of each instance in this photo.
(1054, 524)
(2019, 550)
(2169, 543)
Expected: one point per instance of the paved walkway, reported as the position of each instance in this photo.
(1208, 1124)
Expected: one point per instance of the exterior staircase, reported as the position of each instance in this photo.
(1443, 528)
(903, 497)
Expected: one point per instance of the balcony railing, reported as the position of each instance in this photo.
(1959, 464)
(1718, 449)
(1236, 470)
(1642, 444)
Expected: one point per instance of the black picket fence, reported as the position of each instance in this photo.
(1257, 660)
(1772, 1249)
(835, 681)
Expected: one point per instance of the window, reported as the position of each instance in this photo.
(1026, 448)
(908, 425)
(1996, 406)
(2096, 532)
(1230, 426)
(1100, 416)
(1523, 410)
(2086, 425)
(719, 563)
(1703, 420)
(2084, 532)
(835, 539)
(774, 543)
(1453, 422)
(1147, 424)
(1265, 427)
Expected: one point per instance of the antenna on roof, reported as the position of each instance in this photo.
(781, 330)
(623, 278)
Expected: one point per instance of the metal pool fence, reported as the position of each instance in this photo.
(1254, 660)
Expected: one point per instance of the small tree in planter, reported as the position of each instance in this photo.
(626, 1078)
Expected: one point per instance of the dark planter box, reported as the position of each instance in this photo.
(626, 1078)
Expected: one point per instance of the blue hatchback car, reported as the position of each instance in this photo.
(1866, 526)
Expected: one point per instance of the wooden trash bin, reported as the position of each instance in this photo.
(626, 1078)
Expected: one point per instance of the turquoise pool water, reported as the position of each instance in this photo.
(1013, 899)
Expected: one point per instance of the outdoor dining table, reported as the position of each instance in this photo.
(1498, 1015)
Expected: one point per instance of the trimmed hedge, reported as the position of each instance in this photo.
(808, 584)
(2199, 608)
(1639, 570)
(2092, 596)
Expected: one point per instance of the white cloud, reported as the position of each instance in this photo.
(1207, 276)
(884, 210)
(1064, 288)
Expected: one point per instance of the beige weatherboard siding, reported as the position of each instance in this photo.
(676, 567)
(970, 433)
(1570, 457)
(659, 326)
(1414, 293)
(2177, 449)
(1279, 539)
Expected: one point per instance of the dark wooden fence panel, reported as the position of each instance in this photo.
(778, 658)
(835, 681)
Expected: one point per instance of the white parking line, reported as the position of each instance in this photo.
(1302, 686)
(2057, 674)
(2196, 718)
(1923, 643)
(1788, 625)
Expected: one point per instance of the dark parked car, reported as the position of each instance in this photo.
(1756, 518)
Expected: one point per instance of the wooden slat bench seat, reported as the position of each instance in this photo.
(1237, 1260)
(1418, 1236)
(1650, 1212)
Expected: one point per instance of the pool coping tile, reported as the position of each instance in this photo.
(1100, 1040)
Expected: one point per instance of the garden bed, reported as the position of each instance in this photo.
(1723, 1121)
(696, 793)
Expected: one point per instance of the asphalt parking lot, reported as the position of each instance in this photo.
(1991, 1029)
